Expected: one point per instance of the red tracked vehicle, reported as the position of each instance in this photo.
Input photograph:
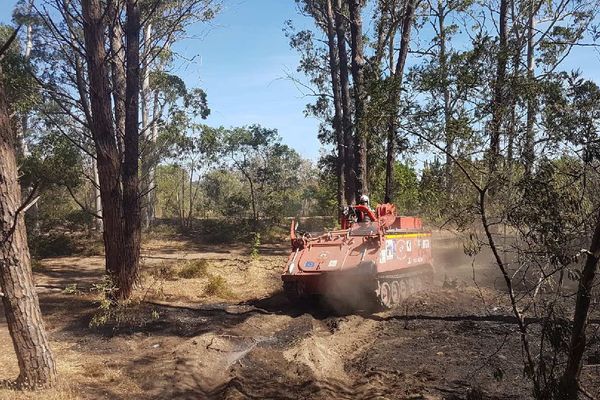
(376, 255)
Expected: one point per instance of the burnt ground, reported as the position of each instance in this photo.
(456, 340)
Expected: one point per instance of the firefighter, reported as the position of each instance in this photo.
(363, 200)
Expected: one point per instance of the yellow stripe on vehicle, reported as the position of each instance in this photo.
(406, 235)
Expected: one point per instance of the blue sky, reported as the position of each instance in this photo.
(241, 60)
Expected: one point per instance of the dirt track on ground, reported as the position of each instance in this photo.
(456, 340)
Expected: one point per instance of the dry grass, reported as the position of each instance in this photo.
(163, 272)
(159, 245)
(91, 367)
(194, 269)
(185, 277)
(82, 374)
(217, 286)
(62, 392)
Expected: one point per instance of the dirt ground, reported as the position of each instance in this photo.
(237, 337)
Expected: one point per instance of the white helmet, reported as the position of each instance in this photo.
(364, 199)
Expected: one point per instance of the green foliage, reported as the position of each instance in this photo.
(54, 160)
(52, 245)
(555, 216)
(56, 209)
(107, 309)
(20, 86)
(171, 181)
(269, 169)
(225, 193)
(406, 191)
(432, 191)
(54, 166)
(243, 171)
(114, 315)
(71, 289)
(572, 113)
(195, 100)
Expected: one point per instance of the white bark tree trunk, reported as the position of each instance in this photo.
(147, 170)
(97, 199)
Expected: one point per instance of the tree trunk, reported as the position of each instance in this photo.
(146, 82)
(397, 78)
(498, 106)
(152, 154)
(528, 148)
(448, 134)
(349, 173)
(512, 128)
(131, 191)
(513, 97)
(253, 200)
(569, 381)
(19, 298)
(181, 201)
(108, 157)
(191, 196)
(334, 66)
(97, 198)
(118, 72)
(358, 63)
(23, 149)
(147, 129)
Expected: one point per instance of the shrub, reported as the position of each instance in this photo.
(53, 245)
(71, 288)
(217, 286)
(194, 269)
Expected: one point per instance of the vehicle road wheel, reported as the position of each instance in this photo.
(403, 289)
(385, 295)
(395, 292)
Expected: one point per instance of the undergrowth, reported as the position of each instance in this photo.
(217, 286)
(194, 269)
(118, 314)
